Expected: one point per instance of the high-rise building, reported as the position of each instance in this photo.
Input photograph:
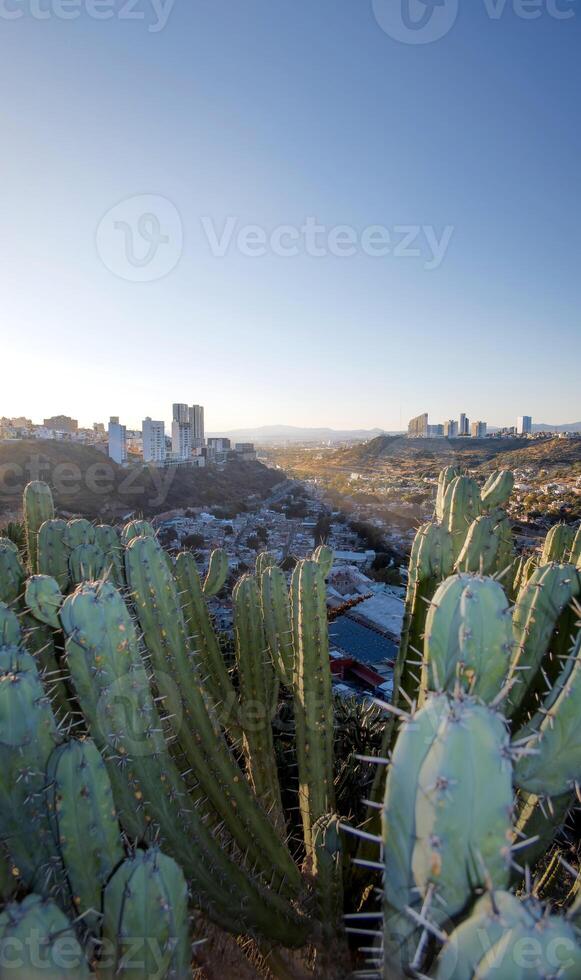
(451, 429)
(196, 419)
(464, 425)
(180, 412)
(524, 425)
(153, 441)
(418, 427)
(478, 430)
(117, 441)
(435, 431)
(181, 440)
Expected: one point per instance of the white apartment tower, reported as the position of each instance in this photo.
(117, 441)
(196, 419)
(451, 429)
(181, 440)
(180, 412)
(524, 425)
(153, 439)
(478, 430)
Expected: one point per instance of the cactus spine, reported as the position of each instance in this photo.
(38, 508)
(313, 697)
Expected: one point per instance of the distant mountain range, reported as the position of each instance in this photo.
(292, 433)
(567, 427)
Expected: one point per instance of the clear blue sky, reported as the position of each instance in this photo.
(271, 112)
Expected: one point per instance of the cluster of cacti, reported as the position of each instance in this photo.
(173, 750)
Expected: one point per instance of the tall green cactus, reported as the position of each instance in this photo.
(313, 697)
(84, 822)
(28, 734)
(539, 607)
(78, 532)
(469, 639)
(12, 575)
(497, 489)
(38, 507)
(53, 556)
(146, 929)
(155, 595)
(87, 563)
(10, 632)
(508, 939)
(446, 816)
(445, 478)
(113, 690)
(137, 529)
(38, 942)
(324, 556)
(264, 560)
(479, 553)
(558, 544)
(44, 599)
(276, 615)
(256, 676)
(108, 540)
(217, 573)
(204, 642)
(462, 505)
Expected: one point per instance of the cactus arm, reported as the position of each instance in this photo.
(84, 823)
(136, 529)
(108, 540)
(313, 697)
(87, 563)
(38, 507)
(52, 552)
(324, 556)
(204, 641)
(558, 544)
(45, 941)
(256, 710)
(277, 623)
(217, 573)
(44, 599)
(78, 532)
(12, 576)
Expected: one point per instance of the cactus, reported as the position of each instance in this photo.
(38, 507)
(203, 640)
(28, 734)
(12, 575)
(558, 544)
(137, 529)
(576, 549)
(256, 675)
(445, 478)
(497, 489)
(508, 939)
(552, 763)
(217, 573)
(44, 599)
(277, 623)
(84, 822)
(43, 940)
(53, 558)
(8, 543)
(112, 687)
(469, 637)
(479, 553)
(10, 632)
(145, 920)
(328, 873)
(446, 816)
(108, 540)
(538, 609)
(462, 505)
(87, 563)
(264, 560)
(78, 532)
(313, 698)
(324, 556)
(156, 601)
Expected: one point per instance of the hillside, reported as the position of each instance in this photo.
(267, 434)
(482, 454)
(87, 483)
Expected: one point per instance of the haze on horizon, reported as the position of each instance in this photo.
(233, 130)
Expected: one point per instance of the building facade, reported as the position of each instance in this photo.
(117, 441)
(478, 430)
(153, 441)
(196, 419)
(181, 440)
(451, 429)
(418, 427)
(61, 423)
(524, 425)
(180, 412)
